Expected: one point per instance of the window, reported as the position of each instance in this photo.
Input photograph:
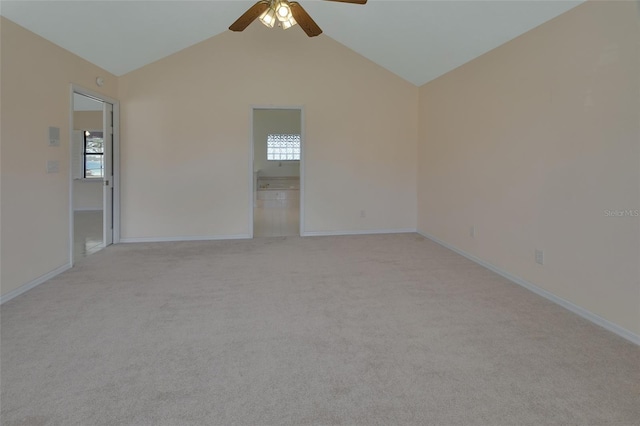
(93, 155)
(283, 147)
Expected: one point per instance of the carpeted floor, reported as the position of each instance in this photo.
(356, 330)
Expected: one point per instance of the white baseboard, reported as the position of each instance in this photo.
(192, 238)
(588, 315)
(247, 236)
(358, 232)
(31, 284)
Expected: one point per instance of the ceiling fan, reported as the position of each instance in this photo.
(285, 13)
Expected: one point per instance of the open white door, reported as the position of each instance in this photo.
(107, 193)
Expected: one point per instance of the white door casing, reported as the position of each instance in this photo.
(111, 196)
(107, 188)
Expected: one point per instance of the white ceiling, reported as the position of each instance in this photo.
(418, 40)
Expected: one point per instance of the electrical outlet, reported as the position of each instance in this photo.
(472, 232)
(539, 257)
(363, 213)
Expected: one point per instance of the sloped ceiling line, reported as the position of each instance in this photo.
(418, 40)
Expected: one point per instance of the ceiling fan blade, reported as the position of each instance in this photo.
(351, 1)
(303, 19)
(249, 16)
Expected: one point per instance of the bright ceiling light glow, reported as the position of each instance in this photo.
(283, 10)
(278, 11)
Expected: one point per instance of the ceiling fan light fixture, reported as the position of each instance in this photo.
(288, 24)
(283, 11)
(268, 17)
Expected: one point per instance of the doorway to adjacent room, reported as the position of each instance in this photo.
(277, 161)
(93, 160)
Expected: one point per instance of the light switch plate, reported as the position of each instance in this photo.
(53, 166)
(54, 136)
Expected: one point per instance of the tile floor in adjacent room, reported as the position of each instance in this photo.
(87, 233)
(276, 218)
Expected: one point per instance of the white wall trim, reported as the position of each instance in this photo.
(252, 175)
(359, 232)
(192, 238)
(247, 236)
(303, 161)
(34, 283)
(584, 313)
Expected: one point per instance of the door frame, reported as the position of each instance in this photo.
(74, 88)
(251, 159)
(108, 194)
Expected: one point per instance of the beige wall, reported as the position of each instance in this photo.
(186, 135)
(35, 90)
(274, 121)
(87, 120)
(531, 143)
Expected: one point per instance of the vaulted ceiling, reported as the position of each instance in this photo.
(418, 40)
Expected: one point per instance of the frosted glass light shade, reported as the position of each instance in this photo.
(268, 17)
(289, 23)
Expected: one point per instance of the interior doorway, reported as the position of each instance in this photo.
(277, 178)
(93, 197)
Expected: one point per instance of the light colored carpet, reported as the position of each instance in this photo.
(357, 330)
